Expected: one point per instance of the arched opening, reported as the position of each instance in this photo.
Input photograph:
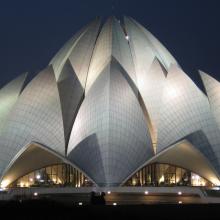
(37, 165)
(181, 156)
(161, 174)
(57, 175)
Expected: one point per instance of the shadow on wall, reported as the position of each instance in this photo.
(71, 95)
(87, 156)
(200, 140)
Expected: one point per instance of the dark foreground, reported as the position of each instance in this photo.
(47, 209)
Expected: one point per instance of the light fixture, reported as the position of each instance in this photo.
(31, 179)
(38, 176)
(127, 37)
(35, 194)
(180, 202)
(179, 193)
(80, 203)
(109, 192)
(114, 203)
(146, 192)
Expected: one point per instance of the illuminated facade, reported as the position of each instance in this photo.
(112, 108)
(166, 175)
(53, 176)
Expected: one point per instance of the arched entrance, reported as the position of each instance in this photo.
(37, 165)
(158, 174)
(56, 175)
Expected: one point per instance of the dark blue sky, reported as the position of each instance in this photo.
(33, 31)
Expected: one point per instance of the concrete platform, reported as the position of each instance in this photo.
(117, 195)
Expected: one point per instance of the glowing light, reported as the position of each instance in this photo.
(35, 194)
(38, 176)
(4, 183)
(179, 193)
(80, 203)
(134, 182)
(146, 192)
(161, 179)
(172, 92)
(54, 180)
(31, 179)
(22, 184)
(114, 203)
(216, 188)
(127, 37)
(59, 181)
(109, 192)
(180, 202)
(215, 181)
(197, 177)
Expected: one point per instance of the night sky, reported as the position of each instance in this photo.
(33, 31)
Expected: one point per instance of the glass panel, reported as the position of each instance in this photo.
(54, 175)
(165, 175)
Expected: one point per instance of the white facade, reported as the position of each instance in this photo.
(112, 100)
